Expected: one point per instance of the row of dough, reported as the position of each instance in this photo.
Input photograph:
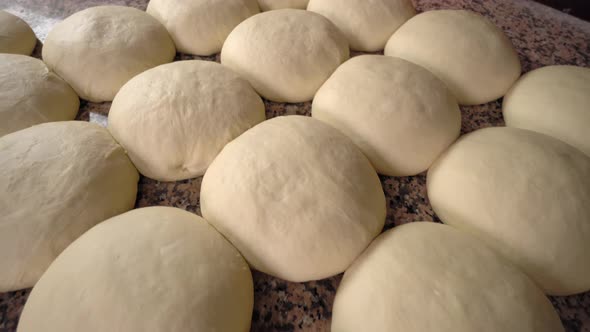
(285, 54)
(498, 183)
(161, 268)
(200, 106)
(19, 38)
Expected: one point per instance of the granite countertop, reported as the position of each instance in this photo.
(542, 36)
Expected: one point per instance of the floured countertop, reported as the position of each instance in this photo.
(542, 36)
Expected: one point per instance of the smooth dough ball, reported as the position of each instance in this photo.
(151, 269)
(16, 36)
(286, 54)
(399, 114)
(424, 276)
(296, 197)
(465, 50)
(174, 119)
(57, 180)
(552, 100)
(266, 5)
(366, 24)
(201, 26)
(99, 49)
(31, 94)
(524, 193)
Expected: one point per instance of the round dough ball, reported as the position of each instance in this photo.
(201, 26)
(57, 180)
(366, 24)
(552, 100)
(151, 269)
(424, 276)
(31, 94)
(465, 50)
(296, 197)
(99, 49)
(266, 5)
(524, 193)
(197, 106)
(286, 54)
(399, 114)
(16, 36)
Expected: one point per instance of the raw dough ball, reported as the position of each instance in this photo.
(469, 53)
(398, 113)
(99, 49)
(524, 193)
(266, 5)
(552, 100)
(31, 94)
(57, 180)
(201, 26)
(151, 269)
(16, 36)
(196, 106)
(286, 54)
(296, 197)
(424, 276)
(366, 24)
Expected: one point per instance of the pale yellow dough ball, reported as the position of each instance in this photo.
(524, 193)
(465, 50)
(99, 49)
(57, 180)
(16, 36)
(31, 94)
(424, 276)
(149, 270)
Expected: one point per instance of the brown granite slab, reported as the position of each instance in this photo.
(542, 36)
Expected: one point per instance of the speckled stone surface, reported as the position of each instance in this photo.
(542, 36)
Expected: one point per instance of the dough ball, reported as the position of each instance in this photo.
(266, 5)
(424, 276)
(201, 26)
(286, 54)
(399, 114)
(151, 269)
(16, 36)
(524, 193)
(465, 50)
(31, 94)
(99, 49)
(366, 24)
(174, 119)
(296, 197)
(57, 180)
(554, 101)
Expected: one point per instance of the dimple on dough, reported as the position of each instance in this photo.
(174, 119)
(525, 194)
(553, 100)
(31, 94)
(468, 52)
(99, 49)
(201, 26)
(57, 180)
(424, 276)
(285, 54)
(148, 270)
(399, 114)
(296, 197)
(16, 36)
(366, 24)
(266, 5)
